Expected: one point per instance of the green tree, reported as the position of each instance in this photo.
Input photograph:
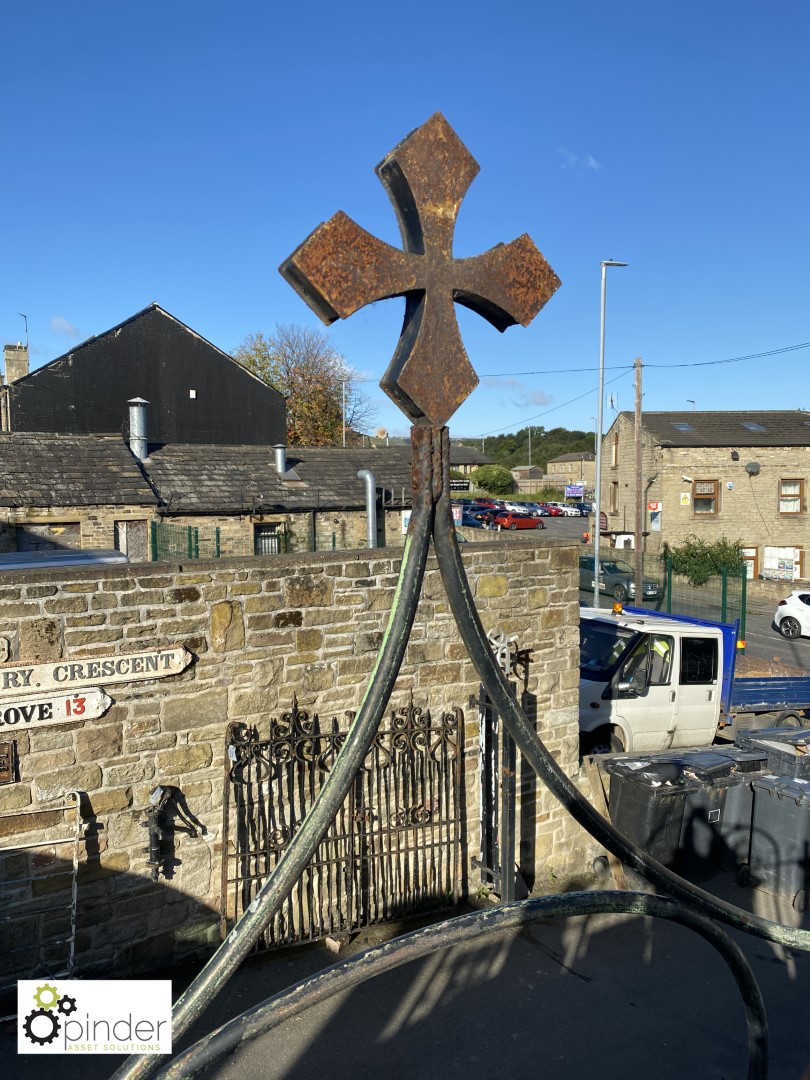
(699, 560)
(493, 478)
(304, 366)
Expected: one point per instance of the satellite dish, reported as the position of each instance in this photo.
(752, 468)
(381, 433)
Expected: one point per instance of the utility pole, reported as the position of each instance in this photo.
(639, 539)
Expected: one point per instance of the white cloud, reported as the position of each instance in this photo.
(517, 393)
(63, 327)
(577, 162)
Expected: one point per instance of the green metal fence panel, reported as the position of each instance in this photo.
(721, 598)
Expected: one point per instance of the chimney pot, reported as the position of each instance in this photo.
(137, 428)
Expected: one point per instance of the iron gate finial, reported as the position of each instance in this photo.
(340, 268)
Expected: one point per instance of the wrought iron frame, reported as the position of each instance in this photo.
(394, 847)
(337, 270)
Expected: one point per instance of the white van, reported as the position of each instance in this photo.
(648, 682)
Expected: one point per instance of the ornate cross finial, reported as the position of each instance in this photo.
(340, 268)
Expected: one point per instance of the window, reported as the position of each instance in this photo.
(614, 451)
(704, 496)
(749, 425)
(614, 497)
(683, 427)
(782, 563)
(791, 496)
(751, 556)
(698, 661)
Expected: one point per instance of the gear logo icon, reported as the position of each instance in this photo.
(46, 996)
(66, 1005)
(43, 1023)
(37, 1031)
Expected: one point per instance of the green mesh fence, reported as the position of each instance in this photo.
(172, 542)
(721, 598)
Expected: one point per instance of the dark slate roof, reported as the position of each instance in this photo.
(780, 428)
(468, 455)
(69, 470)
(580, 455)
(194, 478)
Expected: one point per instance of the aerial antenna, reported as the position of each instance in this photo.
(25, 317)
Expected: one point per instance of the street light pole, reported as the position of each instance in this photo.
(598, 499)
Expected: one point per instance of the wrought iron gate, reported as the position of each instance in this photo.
(394, 848)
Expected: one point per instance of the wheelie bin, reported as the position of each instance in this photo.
(780, 837)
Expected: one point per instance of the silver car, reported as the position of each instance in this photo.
(618, 578)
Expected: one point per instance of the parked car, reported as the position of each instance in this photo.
(566, 509)
(490, 504)
(584, 508)
(470, 520)
(618, 578)
(536, 509)
(552, 509)
(510, 520)
(792, 616)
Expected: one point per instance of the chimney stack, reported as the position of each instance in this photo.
(137, 427)
(15, 359)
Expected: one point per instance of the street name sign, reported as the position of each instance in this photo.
(69, 674)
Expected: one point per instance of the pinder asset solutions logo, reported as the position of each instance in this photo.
(100, 1016)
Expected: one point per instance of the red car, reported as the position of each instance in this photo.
(518, 521)
(554, 511)
(490, 504)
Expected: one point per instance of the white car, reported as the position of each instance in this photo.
(567, 509)
(792, 616)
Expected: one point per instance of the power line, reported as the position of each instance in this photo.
(629, 367)
(562, 405)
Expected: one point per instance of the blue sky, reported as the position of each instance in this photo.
(178, 152)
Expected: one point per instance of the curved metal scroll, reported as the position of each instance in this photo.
(272, 1012)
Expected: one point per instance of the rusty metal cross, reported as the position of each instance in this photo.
(340, 268)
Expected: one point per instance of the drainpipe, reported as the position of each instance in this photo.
(371, 505)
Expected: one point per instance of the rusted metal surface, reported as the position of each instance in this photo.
(340, 268)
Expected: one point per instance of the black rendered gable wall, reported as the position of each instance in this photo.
(154, 357)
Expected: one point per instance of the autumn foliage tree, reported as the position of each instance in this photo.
(304, 366)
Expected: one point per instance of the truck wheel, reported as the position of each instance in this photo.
(790, 628)
(790, 720)
(604, 740)
(619, 593)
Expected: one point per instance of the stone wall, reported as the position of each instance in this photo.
(260, 630)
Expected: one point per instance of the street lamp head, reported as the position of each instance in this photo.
(610, 262)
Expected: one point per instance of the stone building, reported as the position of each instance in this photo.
(738, 475)
(575, 468)
(91, 491)
(528, 479)
(73, 491)
(467, 459)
